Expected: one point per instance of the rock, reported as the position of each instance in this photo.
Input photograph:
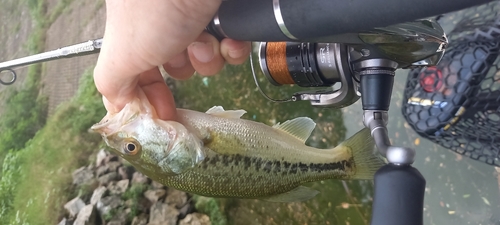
(63, 222)
(114, 222)
(111, 158)
(176, 198)
(157, 185)
(139, 178)
(74, 206)
(82, 176)
(113, 166)
(101, 155)
(185, 210)
(105, 179)
(195, 219)
(119, 187)
(101, 170)
(123, 172)
(119, 218)
(86, 216)
(140, 220)
(108, 203)
(97, 195)
(142, 204)
(163, 214)
(154, 195)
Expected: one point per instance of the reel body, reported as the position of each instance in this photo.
(342, 61)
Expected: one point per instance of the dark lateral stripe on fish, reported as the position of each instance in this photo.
(275, 166)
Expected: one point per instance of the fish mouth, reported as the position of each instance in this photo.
(112, 122)
(106, 126)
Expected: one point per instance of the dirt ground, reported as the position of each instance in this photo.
(15, 28)
(81, 21)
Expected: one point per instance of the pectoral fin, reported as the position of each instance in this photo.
(300, 127)
(219, 111)
(298, 194)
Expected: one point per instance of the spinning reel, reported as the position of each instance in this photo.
(362, 63)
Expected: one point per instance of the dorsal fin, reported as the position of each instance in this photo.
(300, 127)
(220, 112)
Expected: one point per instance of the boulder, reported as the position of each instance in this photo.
(64, 221)
(74, 206)
(195, 219)
(155, 194)
(101, 170)
(118, 188)
(105, 179)
(87, 216)
(113, 166)
(139, 178)
(142, 204)
(101, 155)
(107, 203)
(97, 195)
(119, 218)
(123, 172)
(176, 198)
(140, 220)
(163, 214)
(111, 158)
(157, 185)
(82, 176)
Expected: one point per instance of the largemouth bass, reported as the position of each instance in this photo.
(220, 155)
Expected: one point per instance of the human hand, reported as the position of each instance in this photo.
(142, 35)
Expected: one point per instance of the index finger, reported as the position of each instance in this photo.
(159, 95)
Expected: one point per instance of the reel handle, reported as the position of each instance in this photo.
(399, 196)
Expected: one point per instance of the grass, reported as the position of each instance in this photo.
(25, 110)
(49, 158)
(134, 193)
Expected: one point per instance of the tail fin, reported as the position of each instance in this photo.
(366, 162)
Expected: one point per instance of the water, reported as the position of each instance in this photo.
(459, 190)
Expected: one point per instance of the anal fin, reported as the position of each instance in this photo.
(301, 193)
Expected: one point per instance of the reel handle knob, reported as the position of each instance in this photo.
(399, 196)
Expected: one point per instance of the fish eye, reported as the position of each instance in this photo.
(131, 146)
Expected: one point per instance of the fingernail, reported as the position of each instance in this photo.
(236, 54)
(203, 52)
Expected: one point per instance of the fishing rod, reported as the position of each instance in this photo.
(9, 75)
(319, 44)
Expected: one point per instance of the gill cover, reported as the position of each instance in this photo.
(146, 141)
(186, 153)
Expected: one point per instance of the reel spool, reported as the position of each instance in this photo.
(456, 104)
(305, 64)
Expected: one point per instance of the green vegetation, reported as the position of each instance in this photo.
(48, 160)
(8, 182)
(25, 113)
(211, 207)
(134, 194)
(25, 110)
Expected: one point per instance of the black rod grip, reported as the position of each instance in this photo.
(399, 196)
(255, 20)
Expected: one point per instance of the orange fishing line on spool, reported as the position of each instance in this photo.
(276, 62)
